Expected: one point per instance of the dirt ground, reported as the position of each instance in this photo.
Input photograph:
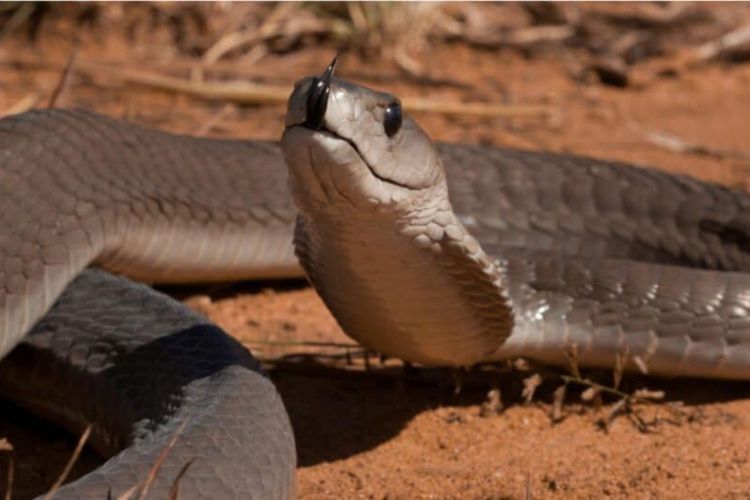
(389, 432)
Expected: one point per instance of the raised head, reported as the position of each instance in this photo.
(376, 233)
(358, 144)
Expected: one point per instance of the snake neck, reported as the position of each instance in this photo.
(414, 285)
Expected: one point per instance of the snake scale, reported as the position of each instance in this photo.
(441, 254)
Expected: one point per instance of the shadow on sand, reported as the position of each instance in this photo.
(336, 413)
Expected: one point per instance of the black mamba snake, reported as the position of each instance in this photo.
(532, 253)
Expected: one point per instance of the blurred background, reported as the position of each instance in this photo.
(655, 83)
(618, 80)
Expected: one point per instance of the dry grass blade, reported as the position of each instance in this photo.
(6, 446)
(227, 43)
(528, 485)
(71, 462)
(23, 12)
(22, 105)
(238, 92)
(640, 364)
(64, 79)
(272, 26)
(676, 144)
(9, 478)
(160, 460)
(625, 405)
(590, 394)
(557, 414)
(734, 41)
(476, 108)
(571, 356)
(174, 491)
(216, 118)
(639, 422)
(619, 369)
(519, 37)
(617, 409)
(242, 92)
(458, 375)
(648, 394)
(127, 494)
(599, 387)
(493, 405)
(530, 385)
(521, 364)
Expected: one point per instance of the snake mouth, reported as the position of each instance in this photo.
(323, 130)
(315, 108)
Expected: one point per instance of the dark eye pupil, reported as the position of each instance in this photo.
(393, 119)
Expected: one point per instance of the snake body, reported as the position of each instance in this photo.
(533, 255)
(440, 254)
(144, 370)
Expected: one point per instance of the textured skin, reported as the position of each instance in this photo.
(553, 221)
(572, 253)
(338, 258)
(583, 249)
(77, 189)
(583, 207)
(139, 365)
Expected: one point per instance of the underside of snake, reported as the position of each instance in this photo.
(437, 254)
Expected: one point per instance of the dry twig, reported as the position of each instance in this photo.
(678, 145)
(160, 460)
(257, 93)
(64, 79)
(213, 120)
(174, 491)
(493, 405)
(530, 385)
(244, 92)
(9, 479)
(71, 462)
(22, 105)
(731, 44)
(279, 24)
(626, 403)
(557, 414)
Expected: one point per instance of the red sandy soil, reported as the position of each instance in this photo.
(387, 434)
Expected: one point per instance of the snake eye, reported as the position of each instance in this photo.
(394, 118)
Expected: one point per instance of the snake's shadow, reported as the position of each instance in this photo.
(339, 413)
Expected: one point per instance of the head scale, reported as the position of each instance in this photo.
(346, 143)
(376, 233)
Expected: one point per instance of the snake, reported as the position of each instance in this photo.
(438, 254)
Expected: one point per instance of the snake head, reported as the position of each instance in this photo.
(344, 143)
(376, 233)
